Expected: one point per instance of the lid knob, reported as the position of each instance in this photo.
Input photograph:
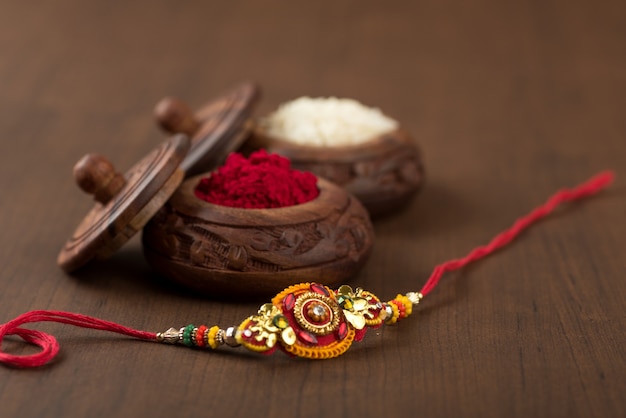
(95, 175)
(176, 117)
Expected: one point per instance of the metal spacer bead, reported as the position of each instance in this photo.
(388, 312)
(171, 336)
(231, 337)
(219, 337)
(414, 297)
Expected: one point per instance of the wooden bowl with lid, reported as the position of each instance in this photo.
(224, 251)
(126, 201)
(212, 249)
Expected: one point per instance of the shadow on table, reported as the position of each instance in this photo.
(127, 271)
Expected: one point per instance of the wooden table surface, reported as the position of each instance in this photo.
(509, 102)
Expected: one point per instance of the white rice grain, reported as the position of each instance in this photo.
(326, 122)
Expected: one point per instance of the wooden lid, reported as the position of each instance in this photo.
(124, 203)
(216, 129)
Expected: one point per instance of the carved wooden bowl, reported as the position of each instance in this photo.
(224, 251)
(383, 173)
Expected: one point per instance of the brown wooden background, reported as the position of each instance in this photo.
(508, 100)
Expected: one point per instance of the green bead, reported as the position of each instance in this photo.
(187, 331)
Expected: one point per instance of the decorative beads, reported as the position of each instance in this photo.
(171, 336)
(231, 337)
(402, 306)
(201, 336)
(414, 297)
(408, 305)
(395, 313)
(386, 312)
(188, 338)
(211, 340)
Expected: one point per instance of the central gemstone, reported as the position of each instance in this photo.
(317, 312)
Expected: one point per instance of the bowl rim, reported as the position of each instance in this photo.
(331, 198)
(387, 141)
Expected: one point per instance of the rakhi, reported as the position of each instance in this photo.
(306, 320)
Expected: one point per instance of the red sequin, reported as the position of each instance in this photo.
(289, 301)
(318, 288)
(342, 331)
(307, 337)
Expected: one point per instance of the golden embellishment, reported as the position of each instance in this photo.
(268, 325)
(375, 303)
(356, 305)
(259, 348)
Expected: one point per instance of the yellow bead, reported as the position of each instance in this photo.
(396, 314)
(211, 341)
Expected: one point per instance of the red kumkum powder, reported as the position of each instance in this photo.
(261, 181)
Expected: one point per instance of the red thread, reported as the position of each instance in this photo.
(592, 186)
(260, 182)
(50, 347)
